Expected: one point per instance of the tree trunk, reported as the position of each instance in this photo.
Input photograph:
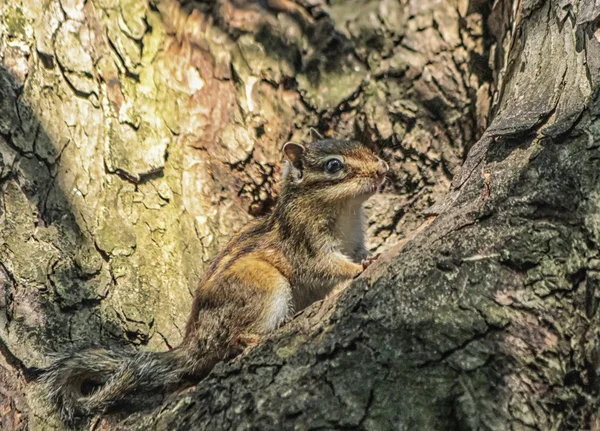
(136, 137)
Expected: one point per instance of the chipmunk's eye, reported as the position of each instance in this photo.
(333, 165)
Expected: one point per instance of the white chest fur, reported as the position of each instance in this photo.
(349, 232)
(349, 244)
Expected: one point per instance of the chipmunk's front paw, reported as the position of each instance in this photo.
(243, 341)
(365, 263)
(369, 260)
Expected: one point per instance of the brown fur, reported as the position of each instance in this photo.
(274, 267)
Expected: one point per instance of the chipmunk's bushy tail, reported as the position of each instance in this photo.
(93, 380)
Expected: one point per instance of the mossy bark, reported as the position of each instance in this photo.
(136, 137)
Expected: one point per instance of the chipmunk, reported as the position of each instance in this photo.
(277, 265)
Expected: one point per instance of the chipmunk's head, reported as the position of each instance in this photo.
(333, 171)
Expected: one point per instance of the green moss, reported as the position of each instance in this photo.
(292, 348)
(15, 21)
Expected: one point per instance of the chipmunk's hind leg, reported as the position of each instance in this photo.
(272, 294)
(249, 300)
(276, 311)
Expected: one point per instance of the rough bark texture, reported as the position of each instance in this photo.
(136, 137)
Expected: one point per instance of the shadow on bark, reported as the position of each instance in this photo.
(52, 305)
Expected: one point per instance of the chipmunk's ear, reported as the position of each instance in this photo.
(315, 135)
(294, 154)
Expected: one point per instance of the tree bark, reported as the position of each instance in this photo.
(137, 137)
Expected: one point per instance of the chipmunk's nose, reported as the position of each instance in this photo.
(383, 168)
